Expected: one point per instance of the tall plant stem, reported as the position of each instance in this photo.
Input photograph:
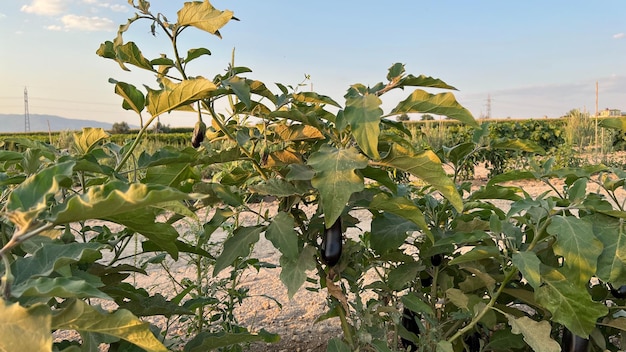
(132, 148)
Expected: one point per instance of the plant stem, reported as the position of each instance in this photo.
(135, 143)
(484, 311)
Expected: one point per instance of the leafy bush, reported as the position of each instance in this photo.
(454, 268)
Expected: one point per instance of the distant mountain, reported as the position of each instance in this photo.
(10, 123)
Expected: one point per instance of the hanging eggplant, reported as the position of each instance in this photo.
(332, 243)
(409, 323)
(199, 133)
(573, 343)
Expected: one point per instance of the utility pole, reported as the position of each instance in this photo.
(488, 106)
(596, 144)
(26, 113)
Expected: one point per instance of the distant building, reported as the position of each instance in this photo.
(610, 113)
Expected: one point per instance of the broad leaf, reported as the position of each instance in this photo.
(475, 254)
(293, 272)
(144, 221)
(336, 344)
(415, 304)
(240, 87)
(207, 341)
(30, 198)
(52, 257)
(519, 144)
(238, 245)
(389, 232)
(426, 166)
(363, 113)
(283, 236)
(204, 16)
(404, 275)
(618, 123)
(122, 324)
(335, 178)
(25, 329)
(439, 104)
(570, 304)
(297, 132)
(536, 333)
(315, 98)
(133, 98)
(177, 95)
(276, 187)
(612, 260)
(193, 54)
(577, 244)
(113, 198)
(529, 265)
(85, 141)
(58, 287)
(404, 208)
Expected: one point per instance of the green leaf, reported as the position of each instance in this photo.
(113, 198)
(475, 254)
(63, 287)
(177, 95)
(439, 104)
(536, 333)
(133, 98)
(389, 232)
(404, 208)
(505, 340)
(239, 245)
(404, 275)
(570, 304)
(207, 341)
(618, 123)
(172, 175)
(336, 344)
(127, 53)
(51, 257)
(415, 304)
(144, 221)
(293, 272)
(122, 324)
(577, 244)
(193, 54)
(529, 265)
(276, 187)
(612, 260)
(30, 196)
(25, 329)
(315, 98)
(283, 236)
(519, 144)
(335, 178)
(363, 113)
(444, 346)
(426, 166)
(240, 87)
(203, 16)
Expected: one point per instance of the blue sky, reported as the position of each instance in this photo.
(532, 58)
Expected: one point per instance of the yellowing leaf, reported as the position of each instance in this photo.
(204, 16)
(426, 166)
(335, 178)
(536, 333)
(570, 304)
(363, 113)
(84, 142)
(578, 245)
(177, 95)
(123, 324)
(25, 329)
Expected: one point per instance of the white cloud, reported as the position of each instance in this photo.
(45, 7)
(88, 24)
(619, 35)
(54, 28)
(2, 16)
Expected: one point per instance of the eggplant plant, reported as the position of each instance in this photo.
(453, 269)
